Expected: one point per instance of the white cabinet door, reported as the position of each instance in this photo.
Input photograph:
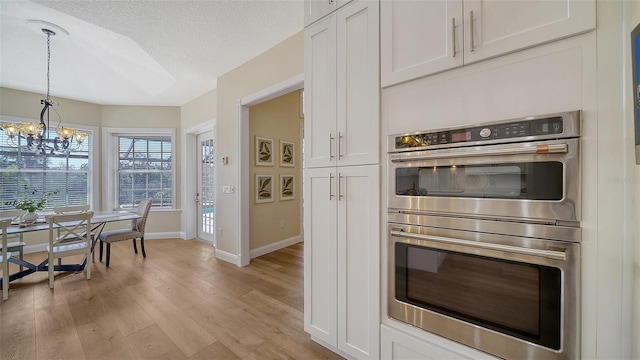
(320, 260)
(419, 38)
(359, 261)
(358, 85)
(502, 26)
(316, 9)
(320, 93)
(342, 88)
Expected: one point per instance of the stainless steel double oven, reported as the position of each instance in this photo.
(484, 234)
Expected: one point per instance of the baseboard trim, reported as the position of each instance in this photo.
(228, 257)
(275, 246)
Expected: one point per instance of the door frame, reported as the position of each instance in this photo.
(190, 186)
(244, 198)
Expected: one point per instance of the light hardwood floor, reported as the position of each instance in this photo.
(178, 303)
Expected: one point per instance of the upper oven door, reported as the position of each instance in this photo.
(533, 180)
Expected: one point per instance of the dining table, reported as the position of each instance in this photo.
(98, 222)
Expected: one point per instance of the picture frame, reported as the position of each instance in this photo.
(264, 188)
(287, 187)
(264, 151)
(287, 154)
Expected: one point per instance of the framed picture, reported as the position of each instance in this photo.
(264, 188)
(287, 154)
(264, 151)
(287, 187)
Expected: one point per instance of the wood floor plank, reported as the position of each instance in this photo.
(184, 332)
(101, 339)
(153, 343)
(56, 334)
(215, 351)
(214, 316)
(126, 313)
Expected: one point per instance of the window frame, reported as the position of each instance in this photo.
(110, 156)
(93, 180)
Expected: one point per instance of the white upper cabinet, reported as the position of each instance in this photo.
(424, 37)
(500, 27)
(314, 10)
(342, 88)
(419, 38)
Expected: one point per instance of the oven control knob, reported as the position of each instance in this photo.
(485, 133)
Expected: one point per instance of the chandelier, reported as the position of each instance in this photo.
(35, 137)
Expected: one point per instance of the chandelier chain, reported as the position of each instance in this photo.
(48, 63)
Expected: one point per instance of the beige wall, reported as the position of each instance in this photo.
(27, 105)
(199, 110)
(277, 119)
(282, 62)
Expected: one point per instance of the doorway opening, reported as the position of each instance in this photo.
(245, 198)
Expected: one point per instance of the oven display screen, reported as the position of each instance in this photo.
(460, 136)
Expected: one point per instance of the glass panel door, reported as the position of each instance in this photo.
(206, 209)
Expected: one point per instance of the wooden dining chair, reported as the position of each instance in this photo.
(4, 257)
(69, 234)
(14, 241)
(136, 231)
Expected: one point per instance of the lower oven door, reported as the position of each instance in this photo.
(513, 297)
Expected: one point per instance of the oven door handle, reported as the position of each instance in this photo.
(538, 149)
(551, 254)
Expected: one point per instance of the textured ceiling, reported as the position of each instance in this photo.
(137, 52)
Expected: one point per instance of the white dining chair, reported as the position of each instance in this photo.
(14, 241)
(69, 234)
(4, 257)
(71, 209)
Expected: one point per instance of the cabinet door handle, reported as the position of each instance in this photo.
(473, 42)
(453, 31)
(340, 196)
(340, 137)
(330, 186)
(331, 147)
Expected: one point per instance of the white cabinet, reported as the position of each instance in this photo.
(342, 90)
(424, 37)
(397, 345)
(316, 9)
(342, 258)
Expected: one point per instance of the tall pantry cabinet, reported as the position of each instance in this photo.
(342, 180)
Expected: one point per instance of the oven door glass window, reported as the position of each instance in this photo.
(518, 299)
(531, 180)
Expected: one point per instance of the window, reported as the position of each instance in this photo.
(68, 176)
(143, 163)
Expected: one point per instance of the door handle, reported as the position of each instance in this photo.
(331, 147)
(453, 31)
(474, 152)
(473, 42)
(552, 254)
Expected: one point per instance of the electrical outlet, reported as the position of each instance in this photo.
(219, 233)
(281, 224)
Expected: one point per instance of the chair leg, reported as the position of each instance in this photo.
(135, 248)
(51, 267)
(144, 254)
(101, 247)
(108, 253)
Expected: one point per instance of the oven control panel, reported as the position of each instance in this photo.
(510, 131)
